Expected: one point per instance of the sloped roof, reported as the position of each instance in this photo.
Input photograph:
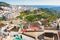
(1, 9)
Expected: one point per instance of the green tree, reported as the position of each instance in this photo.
(52, 17)
(30, 18)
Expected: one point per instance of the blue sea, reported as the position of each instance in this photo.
(42, 6)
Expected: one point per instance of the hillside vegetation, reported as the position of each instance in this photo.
(38, 14)
(4, 4)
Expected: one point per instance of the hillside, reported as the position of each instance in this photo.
(56, 8)
(51, 11)
(38, 14)
(4, 4)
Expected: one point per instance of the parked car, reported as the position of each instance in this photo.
(50, 36)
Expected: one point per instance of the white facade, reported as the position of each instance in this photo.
(23, 8)
(15, 10)
(5, 12)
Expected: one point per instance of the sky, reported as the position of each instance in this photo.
(12, 2)
(32, 2)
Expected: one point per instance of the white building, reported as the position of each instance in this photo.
(15, 10)
(6, 12)
(24, 8)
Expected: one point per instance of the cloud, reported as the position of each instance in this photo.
(32, 2)
(40, 2)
